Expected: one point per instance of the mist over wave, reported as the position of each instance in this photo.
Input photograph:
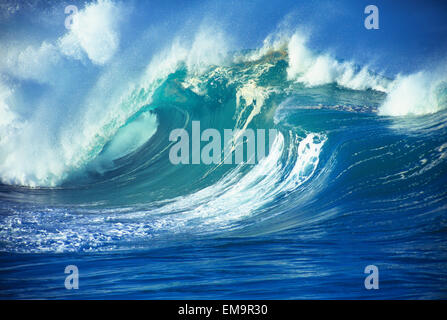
(89, 118)
(86, 114)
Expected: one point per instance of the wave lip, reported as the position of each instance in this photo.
(313, 70)
(77, 140)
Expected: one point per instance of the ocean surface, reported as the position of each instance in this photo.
(356, 175)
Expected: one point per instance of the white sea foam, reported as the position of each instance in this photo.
(416, 94)
(95, 32)
(210, 47)
(37, 63)
(115, 96)
(234, 197)
(56, 138)
(237, 196)
(101, 112)
(313, 69)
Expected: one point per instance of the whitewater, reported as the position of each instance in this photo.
(355, 176)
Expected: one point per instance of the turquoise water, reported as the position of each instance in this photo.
(355, 177)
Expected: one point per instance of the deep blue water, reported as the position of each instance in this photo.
(356, 175)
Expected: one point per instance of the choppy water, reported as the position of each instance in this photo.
(356, 176)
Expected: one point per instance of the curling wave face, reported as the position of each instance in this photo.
(97, 176)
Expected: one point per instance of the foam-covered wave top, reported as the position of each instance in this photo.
(45, 109)
(313, 70)
(420, 93)
(416, 94)
(65, 99)
(63, 124)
